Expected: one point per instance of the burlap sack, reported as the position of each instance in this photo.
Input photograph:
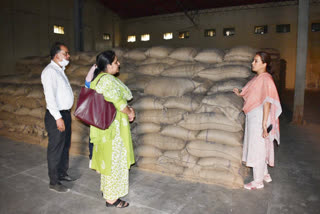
(135, 54)
(139, 82)
(240, 51)
(162, 142)
(165, 168)
(144, 128)
(158, 52)
(231, 112)
(188, 103)
(222, 137)
(119, 51)
(202, 121)
(218, 162)
(152, 69)
(82, 71)
(149, 103)
(179, 132)
(169, 116)
(210, 56)
(166, 60)
(225, 72)
(180, 158)
(226, 86)
(204, 149)
(187, 71)
(184, 54)
(147, 151)
(166, 87)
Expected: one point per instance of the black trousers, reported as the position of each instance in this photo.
(58, 146)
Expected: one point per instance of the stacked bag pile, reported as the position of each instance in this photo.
(188, 124)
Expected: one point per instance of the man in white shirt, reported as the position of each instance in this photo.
(59, 100)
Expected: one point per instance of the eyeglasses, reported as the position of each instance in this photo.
(65, 53)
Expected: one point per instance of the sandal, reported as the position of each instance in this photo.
(267, 178)
(253, 185)
(118, 204)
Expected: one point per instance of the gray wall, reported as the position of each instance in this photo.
(27, 28)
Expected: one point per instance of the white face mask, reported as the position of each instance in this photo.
(64, 63)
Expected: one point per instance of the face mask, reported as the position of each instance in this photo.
(64, 63)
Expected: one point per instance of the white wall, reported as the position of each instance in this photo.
(243, 18)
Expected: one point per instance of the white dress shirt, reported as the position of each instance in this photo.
(57, 89)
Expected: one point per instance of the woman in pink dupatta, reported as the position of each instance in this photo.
(262, 108)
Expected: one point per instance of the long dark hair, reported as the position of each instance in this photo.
(103, 59)
(265, 58)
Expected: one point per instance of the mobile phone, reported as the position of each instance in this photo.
(269, 128)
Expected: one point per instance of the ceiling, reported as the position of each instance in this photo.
(139, 8)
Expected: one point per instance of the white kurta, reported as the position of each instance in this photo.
(254, 146)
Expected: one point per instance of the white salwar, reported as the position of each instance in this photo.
(254, 145)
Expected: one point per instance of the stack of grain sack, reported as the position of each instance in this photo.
(189, 124)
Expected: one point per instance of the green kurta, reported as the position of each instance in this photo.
(118, 135)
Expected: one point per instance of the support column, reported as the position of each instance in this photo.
(78, 26)
(302, 51)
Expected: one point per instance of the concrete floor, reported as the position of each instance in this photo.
(295, 187)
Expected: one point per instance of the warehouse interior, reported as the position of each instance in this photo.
(164, 39)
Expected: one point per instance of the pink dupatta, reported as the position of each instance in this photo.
(255, 93)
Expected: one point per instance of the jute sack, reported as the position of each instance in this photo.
(145, 160)
(166, 87)
(225, 72)
(152, 69)
(188, 103)
(135, 55)
(169, 116)
(148, 102)
(87, 58)
(242, 51)
(179, 132)
(184, 54)
(139, 82)
(76, 80)
(203, 87)
(38, 113)
(224, 100)
(229, 103)
(166, 168)
(239, 58)
(162, 142)
(158, 52)
(221, 162)
(147, 151)
(36, 92)
(119, 51)
(220, 177)
(187, 71)
(82, 71)
(222, 137)
(242, 63)
(226, 85)
(213, 55)
(204, 149)
(166, 60)
(8, 108)
(180, 158)
(202, 121)
(144, 128)
(231, 112)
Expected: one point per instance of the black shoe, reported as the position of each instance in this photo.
(60, 188)
(67, 178)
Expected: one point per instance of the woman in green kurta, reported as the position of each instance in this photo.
(112, 151)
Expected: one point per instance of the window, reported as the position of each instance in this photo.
(58, 29)
(315, 27)
(263, 29)
(184, 35)
(167, 36)
(283, 28)
(229, 31)
(131, 38)
(209, 32)
(106, 36)
(145, 37)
